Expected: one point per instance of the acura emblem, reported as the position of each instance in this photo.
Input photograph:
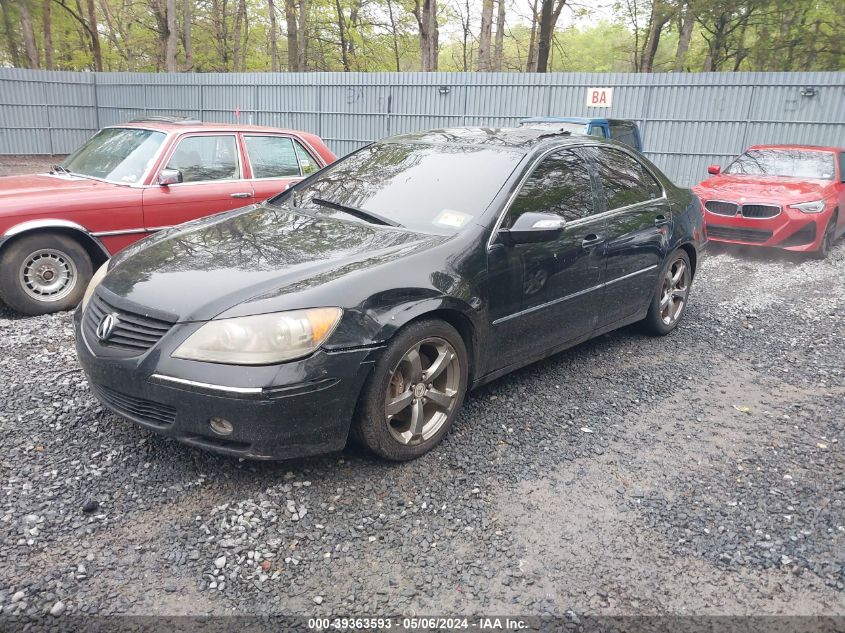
(106, 326)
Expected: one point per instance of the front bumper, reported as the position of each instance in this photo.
(790, 230)
(290, 410)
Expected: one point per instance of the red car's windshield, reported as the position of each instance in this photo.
(785, 162)
(120, 155)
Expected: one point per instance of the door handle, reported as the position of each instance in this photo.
(591, 240)
(661, 220)
(243, 194)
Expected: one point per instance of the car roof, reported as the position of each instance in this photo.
(817, 148)
(522, 139)
(197, 126)
(563, 119)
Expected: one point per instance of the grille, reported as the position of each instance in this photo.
(755, 236)
(145, 411)
(721, 208)
(760, 211)
(134, 333)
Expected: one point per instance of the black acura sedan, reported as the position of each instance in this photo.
(368, 298)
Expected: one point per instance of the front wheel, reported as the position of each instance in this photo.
(413, 395)
(827, 240)
(670, 298)
(44, 273)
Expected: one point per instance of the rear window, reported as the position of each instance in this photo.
(624, 133)
(428, 188)
(789, 163)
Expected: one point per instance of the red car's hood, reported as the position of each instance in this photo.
(733, 188)
(41, 185)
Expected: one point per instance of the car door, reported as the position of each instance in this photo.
(544, 295)
(639, 220)
(212, 181)
(277, 161)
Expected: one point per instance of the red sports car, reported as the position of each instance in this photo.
(786, 196)
(129, 181)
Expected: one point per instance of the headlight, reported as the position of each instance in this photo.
(810, 207)
(263, 339)
(92, 285)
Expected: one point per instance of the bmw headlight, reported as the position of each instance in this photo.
(810, 207)
(263, 339)
(96, 278)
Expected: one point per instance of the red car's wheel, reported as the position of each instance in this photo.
(827, 240)
(44, 273)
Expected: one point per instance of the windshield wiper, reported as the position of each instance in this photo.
(58, 169)
(370, 216)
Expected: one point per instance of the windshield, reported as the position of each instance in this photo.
(119, 155)
(427, 188)
(784, 162)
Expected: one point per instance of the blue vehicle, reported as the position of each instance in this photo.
(622, 130)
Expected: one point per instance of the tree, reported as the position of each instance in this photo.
(28, 34)
(500, 37)
(549, 14)
(485, 36)
(425, 11)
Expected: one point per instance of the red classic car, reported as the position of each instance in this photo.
(129, 181)
(786, 196)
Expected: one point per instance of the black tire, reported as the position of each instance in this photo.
(62, 257)
(655, 322)
(827, 239)
(373, 428)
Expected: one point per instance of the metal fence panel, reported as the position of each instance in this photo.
(688, 120)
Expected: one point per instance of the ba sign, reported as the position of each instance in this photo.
(599, 97)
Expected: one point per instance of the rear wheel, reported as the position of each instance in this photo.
(412, 397)
(670, 298)
(44, 273)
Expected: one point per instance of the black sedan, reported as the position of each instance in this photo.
(368, 298)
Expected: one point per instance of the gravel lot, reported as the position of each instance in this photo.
(700, 473)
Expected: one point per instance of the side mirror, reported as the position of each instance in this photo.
(714, 170)
(169, 177)
(531, 228)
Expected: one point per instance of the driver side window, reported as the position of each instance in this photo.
(204, 158)
(561, 184)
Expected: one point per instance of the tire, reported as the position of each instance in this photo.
(44, 273)
(417, 421)
(663, 317)
(827, 240)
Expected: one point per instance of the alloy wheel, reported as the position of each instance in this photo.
(674, 292)
(48, 275)
(422, 391)
(827, 240)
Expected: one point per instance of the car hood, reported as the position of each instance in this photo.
(41, 185)
(199, 270)
(735, 188)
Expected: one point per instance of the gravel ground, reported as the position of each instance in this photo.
(701, 473)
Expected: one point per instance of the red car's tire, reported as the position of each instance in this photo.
(827, 239)
(44, 273)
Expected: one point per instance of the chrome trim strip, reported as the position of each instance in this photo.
(572, 296)
(205, 385)
(589, 218)
(120, 232)
(49, 223)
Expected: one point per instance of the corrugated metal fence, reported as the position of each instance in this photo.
(688, 120)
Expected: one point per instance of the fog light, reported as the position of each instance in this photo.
(221, 426)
